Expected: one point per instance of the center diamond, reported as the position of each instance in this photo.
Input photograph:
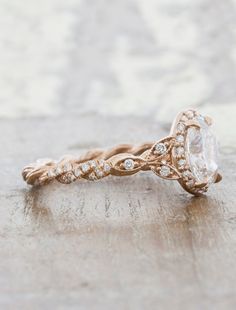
(202, 151)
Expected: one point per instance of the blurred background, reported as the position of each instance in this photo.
(147, 58)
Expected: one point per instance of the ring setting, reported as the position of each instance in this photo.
(188, 155)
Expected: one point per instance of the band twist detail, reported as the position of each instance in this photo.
(93, 165)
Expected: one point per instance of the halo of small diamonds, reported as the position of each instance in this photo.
(179, 149)
(187, 120)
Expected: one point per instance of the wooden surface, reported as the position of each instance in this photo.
(132, 243)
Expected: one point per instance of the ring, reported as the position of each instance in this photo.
(188, 155)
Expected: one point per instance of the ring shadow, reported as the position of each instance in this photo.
(201, 216)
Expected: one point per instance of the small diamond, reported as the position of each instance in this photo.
(99, 173)
(85, 167)
(184, 118)
(78, 172)
(107, 167)
(104, 165)
(181, 127)
(58, 171)
(180, 138)
(129, 164)
(67, 167)
(165, 171)
(181, 162)
(160, 148)
(201, 118)
(190, 114)
(68, 178)
(93, 163)
(179, 151)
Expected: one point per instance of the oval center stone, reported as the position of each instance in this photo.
(202, 152)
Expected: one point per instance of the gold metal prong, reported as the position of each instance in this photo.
(218, 178)
(192, 123)
(208, 120)
(200, 185)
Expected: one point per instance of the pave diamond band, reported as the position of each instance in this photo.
(188, 155)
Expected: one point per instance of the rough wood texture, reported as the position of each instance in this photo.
(133, 243)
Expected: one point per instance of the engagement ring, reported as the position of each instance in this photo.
(188, 155)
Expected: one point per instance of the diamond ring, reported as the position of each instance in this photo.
(188, 155)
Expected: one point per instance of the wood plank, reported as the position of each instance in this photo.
(131, 243)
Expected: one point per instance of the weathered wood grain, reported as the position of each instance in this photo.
(132, 243)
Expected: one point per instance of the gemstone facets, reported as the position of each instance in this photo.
(107, 167)
(160, 148)
(165, 171)
(201, 152)
(181, 127)
(85, 167)
(180, 139)
(179, 151)
(129, 164)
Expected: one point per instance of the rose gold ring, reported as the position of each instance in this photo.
(188, 155)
